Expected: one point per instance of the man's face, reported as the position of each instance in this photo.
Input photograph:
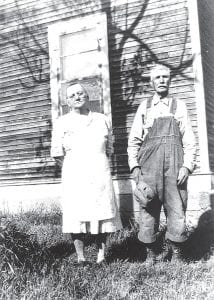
(77, 96)
(161, 82)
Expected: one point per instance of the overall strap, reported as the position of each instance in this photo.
(173, 107)
(148, 107)
(144, 116)
(149, 103)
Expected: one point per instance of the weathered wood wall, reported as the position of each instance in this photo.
(139, 33)
(206, 21)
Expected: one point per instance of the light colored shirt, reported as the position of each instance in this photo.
(161, 108)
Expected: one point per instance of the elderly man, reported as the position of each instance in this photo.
(161, 151)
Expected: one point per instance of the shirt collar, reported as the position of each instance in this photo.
(156, 100)
(89, 117)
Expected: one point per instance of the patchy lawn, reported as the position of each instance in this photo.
(38, 262)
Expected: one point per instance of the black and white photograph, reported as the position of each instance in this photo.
(106, 149)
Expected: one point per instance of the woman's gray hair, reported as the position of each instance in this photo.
(78, 83)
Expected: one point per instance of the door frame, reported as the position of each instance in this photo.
(98, 20)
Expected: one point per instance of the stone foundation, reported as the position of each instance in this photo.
(16, 199)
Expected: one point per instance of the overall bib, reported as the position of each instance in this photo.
(160, 158)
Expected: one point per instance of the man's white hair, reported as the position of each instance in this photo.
(156, 68)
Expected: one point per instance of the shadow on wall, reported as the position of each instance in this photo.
(212, 201)
(129, 78)
(128, 81)
(201, 241)
(129, 68)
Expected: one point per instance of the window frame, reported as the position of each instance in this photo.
(55, 30)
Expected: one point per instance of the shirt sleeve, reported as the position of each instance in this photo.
(136, 137)
(56, 140)
(188, 138)
(109, 141)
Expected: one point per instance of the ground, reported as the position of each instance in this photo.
(38, 262)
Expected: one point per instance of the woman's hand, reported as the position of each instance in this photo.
(59, 160)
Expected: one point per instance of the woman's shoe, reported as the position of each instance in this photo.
(100, 257)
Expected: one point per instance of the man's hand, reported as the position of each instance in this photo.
(135, 174)
(182, 175)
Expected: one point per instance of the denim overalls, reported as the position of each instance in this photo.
(160, 158)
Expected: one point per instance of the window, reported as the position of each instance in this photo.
(79, 51)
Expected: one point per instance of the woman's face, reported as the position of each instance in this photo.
(77, 97)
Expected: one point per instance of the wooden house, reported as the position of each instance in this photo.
(110, 45)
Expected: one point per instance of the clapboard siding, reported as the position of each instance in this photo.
(168, 40)
(162, 33)
(40, 11)
(206, 21)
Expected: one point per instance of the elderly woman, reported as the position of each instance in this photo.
(82, 139)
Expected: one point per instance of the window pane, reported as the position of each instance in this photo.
(78, 42)
(80, 65)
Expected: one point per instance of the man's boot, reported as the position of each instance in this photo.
(175, 251)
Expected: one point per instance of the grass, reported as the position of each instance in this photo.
(38, 262)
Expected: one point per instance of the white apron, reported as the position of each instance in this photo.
(87, 188)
